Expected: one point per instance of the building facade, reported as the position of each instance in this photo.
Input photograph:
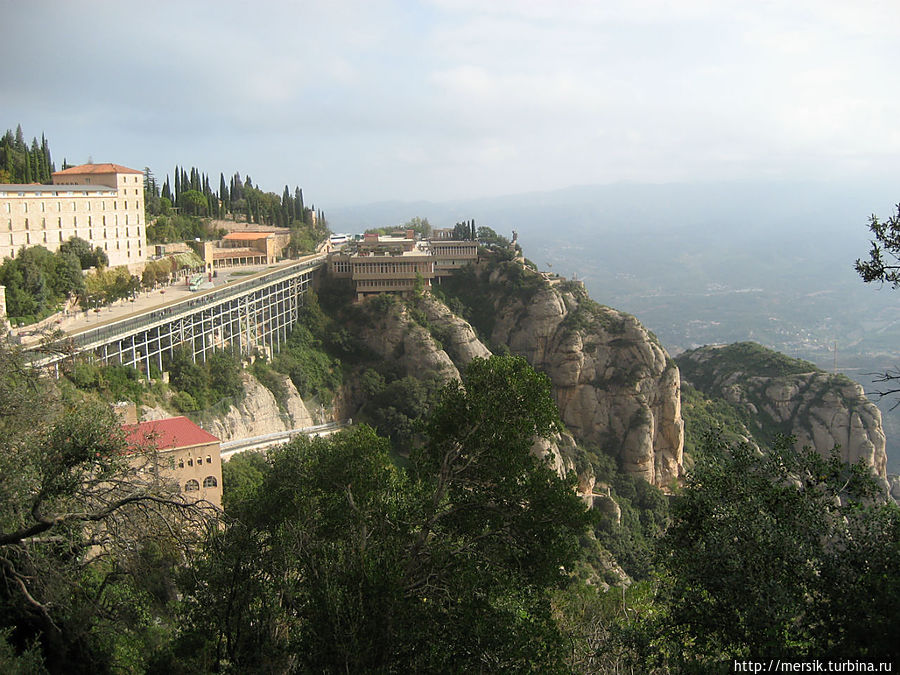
(185, 453)
(100, 203)
(395, 264)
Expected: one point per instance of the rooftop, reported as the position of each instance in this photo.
(95, 168)
(167, 434)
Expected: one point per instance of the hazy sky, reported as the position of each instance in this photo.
(365, 101)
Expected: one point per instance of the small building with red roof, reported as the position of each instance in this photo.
(186, 452)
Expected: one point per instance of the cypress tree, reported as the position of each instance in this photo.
(223, 192)
(298, 204)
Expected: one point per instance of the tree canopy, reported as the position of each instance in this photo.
(343, 561)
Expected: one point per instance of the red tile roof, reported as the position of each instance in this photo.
(95, 168)
(167, 434)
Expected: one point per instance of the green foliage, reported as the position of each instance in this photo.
(880, 267)
(644, 517)
(112, 383)
(395, 409)
(201, 384)
(38, 281)
(779, 554)
(105, 286)
(76, 515)
(242, 475)
(181, 227)
(21, 163)
(342, 561)
(747, 358)
(489, 237)
(704, 416)
(87, 256)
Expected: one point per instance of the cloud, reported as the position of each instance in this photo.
(455, 98)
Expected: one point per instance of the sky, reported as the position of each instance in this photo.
(364, 101)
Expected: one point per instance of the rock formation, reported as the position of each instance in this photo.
(257, 413)
(791, 397)
(615, 385)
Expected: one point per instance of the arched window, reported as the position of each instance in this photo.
(210, 481)
(191, 486)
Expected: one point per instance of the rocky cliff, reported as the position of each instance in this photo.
(257, 413)
(615, 385)
(793, 397)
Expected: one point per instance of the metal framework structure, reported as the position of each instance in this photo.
(255, 313)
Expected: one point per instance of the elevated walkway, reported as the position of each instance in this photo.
(243, 315)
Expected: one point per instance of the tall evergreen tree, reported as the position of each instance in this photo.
(298, 204)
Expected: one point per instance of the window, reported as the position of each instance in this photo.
(43, 207)
(210, 481)
(25, 206)
(208, 459)
(191, 485)
(43, 223)
(190, 461)
(26, 223)
(181, 463)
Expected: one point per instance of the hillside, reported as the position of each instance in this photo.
(774, 393)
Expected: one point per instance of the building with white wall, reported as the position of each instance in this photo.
(100, 203)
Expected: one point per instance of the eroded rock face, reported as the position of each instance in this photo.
(396, 336)
(257, 413)
(822, 410)
(615, 386)
(458, 339)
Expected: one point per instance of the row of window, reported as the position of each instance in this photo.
(74, 205)
(392, 268)
(90, 222)
(208, 482)
(190, 461)
(388, 283)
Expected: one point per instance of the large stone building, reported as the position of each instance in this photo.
(395, 264)
(185, 452)
(101, 203)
